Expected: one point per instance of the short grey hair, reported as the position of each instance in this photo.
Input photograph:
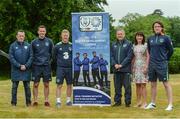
(120, 29)
(20, 31)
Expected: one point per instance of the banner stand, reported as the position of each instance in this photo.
(91, 59)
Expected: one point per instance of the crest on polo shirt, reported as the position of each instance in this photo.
(25, 47)
(124, 45)
(46, 44)
(115, 46)
(161, 40)
(16, 48)
(70, 48)
(37, 45)
(33, 78)
(57, 80)
(60, 48)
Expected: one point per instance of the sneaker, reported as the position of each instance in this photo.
(151, 106)
(35, 104)
(58, 104)
(47, 104)
(169, 108)
(69, 103)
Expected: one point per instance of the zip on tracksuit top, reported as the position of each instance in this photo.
(42, 51)
(122, 53)
(160, 48)
(20, 54)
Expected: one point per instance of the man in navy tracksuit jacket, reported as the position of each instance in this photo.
(85, 64)
(95, 68)
(42, 54)
(160, 49)
(121, 56)
(77, 68)
(63, 56)
(103, 69)
(20, 56)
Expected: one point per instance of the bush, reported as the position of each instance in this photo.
(174, 63)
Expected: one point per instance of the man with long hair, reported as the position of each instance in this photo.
(160, 49)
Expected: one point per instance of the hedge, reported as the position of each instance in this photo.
(174, 63)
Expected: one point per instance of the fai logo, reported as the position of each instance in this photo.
(161, 40)
(124, 45)
(115, 46)
(57, 80)
(46, 44)
(84, 21)
(25, 47)
(33, 78)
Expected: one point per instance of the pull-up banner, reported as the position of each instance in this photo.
(91, 59)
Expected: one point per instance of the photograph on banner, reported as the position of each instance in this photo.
(91, 58)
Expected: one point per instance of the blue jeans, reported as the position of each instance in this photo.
(26, 89)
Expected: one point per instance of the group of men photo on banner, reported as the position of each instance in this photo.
(97, 63)
(146, 61)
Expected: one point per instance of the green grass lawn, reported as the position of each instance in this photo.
(6, 110)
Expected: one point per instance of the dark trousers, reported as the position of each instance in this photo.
(104, 76)
(26, 89)
(86, 75)
(95, 74)
(122, 79)
(76, 77)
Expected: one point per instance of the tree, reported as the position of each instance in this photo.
(133, 23)
(158, 12)
(112, 29)
(175, 30)
(29, 14)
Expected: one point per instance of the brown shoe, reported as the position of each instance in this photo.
(35, 104)
(47, 104)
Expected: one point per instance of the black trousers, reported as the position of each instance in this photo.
(76, 77)
(122, 79)
(104, 76)
(26, 89)
(86, 75)
(95, 74)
